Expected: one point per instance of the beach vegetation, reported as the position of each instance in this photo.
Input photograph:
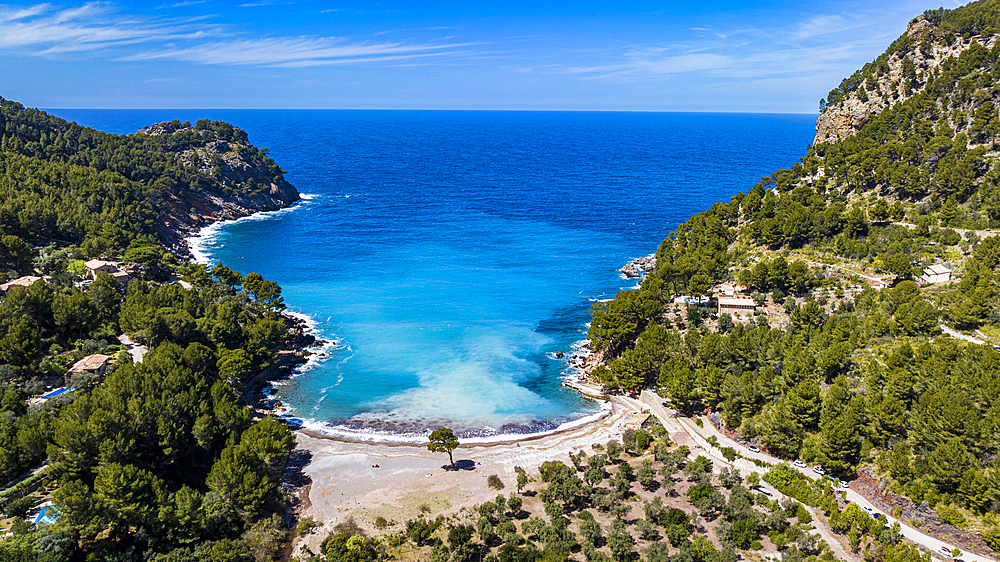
(443, 440)
(522, 478)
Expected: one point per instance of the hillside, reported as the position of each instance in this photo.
(70, 185)
(124, 371)
(839, 359)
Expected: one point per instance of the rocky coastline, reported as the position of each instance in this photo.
(295, 351)
(236, 179)
(225, 156)
(639, 267)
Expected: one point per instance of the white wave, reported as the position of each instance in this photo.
(317, 355)
(309, 321)
(200, 243)
(378, 435)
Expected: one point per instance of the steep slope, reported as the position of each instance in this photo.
(841, 361)
(896, 76)
(64, 183)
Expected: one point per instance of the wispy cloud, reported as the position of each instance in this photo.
(817, 44)
(181, 4)
(11, 13)
(828, 24)
(44, 29)
(293, 52)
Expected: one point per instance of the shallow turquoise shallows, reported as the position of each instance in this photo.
(451, 255)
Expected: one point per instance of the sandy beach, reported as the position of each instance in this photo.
(411, 480)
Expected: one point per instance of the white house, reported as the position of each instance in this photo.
(737, 304)
(936, 273)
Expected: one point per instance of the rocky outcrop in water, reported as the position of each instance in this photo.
(639, 266)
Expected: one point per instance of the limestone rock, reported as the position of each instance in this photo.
(630, 271)
(845, 118)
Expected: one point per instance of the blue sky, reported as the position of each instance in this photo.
(750, 56)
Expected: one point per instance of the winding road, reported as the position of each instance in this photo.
(134, 349)
(698, 434)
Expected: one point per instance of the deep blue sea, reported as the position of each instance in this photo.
(450, 255)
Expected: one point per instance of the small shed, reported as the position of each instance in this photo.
(936, 273)
(26, 281)
(96, 364)
(737, 304)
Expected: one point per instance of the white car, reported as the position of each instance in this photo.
(874, 513)
(819, 470)
(754, 449)
(799, 464)
(844, 484)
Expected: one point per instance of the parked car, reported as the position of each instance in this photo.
(799, 464)
(832, 479)
(873, 513)
(754, 449)
(819, 470)
(764, 491)
(844, 484)
(945, 551)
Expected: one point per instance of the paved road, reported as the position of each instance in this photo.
(134, 349)
(960, 335)
(961, 231)
(932, 544)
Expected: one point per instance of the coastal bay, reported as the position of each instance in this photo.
(457, 285)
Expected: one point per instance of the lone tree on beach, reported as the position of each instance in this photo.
(443, 441)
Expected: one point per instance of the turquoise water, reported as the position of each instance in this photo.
(451, 255)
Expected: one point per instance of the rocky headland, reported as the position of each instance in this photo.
(233, 179)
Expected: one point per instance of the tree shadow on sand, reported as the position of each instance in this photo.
(461, 465)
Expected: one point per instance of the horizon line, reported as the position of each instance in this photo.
(537, 110)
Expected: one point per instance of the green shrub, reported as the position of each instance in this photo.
(305, 526)
(642, 440)
(951, 515)
(19, 508)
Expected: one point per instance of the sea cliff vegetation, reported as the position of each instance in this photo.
(844, 363)
(160, 459)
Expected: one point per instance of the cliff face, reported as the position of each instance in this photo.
(238, 180)
(903, 76)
